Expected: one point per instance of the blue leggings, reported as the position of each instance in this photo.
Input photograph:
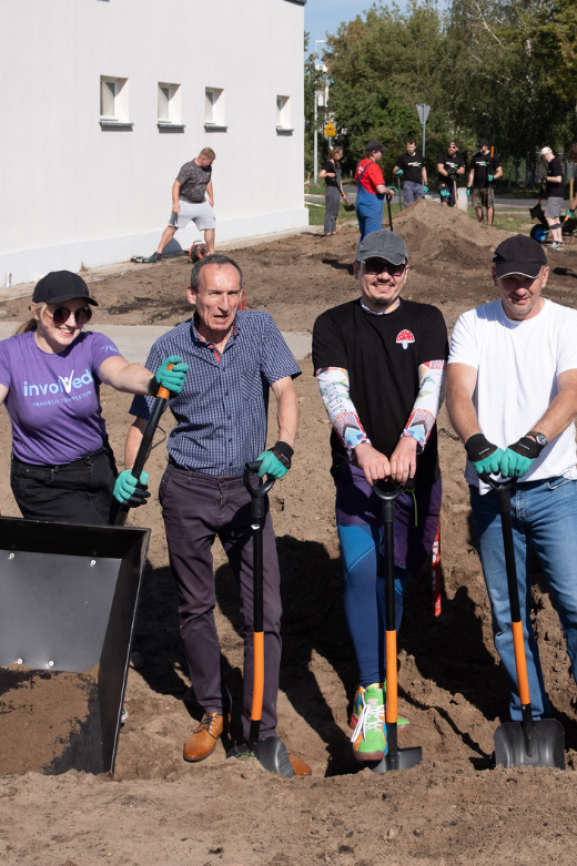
(361, 547)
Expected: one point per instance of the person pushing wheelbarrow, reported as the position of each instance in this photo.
(379, 364)
(234, 358)
(512, 398)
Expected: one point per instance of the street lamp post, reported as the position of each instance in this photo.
(316, 144)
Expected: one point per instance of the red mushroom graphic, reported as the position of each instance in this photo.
(405, 337)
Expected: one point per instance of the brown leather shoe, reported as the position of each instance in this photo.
(202, 743)
(299, 766)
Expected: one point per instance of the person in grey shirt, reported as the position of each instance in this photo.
(192, 199)
(331, 172)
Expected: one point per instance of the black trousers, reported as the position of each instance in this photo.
(77, 492)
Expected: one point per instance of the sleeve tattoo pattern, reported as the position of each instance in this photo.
(431, 393)
(335, 391)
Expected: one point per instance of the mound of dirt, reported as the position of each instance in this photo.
(432, 231)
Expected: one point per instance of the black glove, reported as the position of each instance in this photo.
(527, 447)
(452, 174)
(483, 454)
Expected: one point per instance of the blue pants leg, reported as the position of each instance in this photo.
(363, 559)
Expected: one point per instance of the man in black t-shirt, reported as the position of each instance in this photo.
(555, 189)
(379, 363)
(449, 167)
(410, 166)
(485, 169)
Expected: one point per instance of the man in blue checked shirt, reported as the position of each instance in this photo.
(234, 358)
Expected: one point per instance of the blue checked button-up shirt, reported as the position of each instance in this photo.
(221, 413)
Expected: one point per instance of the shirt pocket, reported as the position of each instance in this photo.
(252, 387)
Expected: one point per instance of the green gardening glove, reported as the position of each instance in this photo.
(519, 457)
(484, 456)
(491, 178)
(570, 212)
(399, 171)
(277, 461)
(172, 380)
(468, 190)
(425, 188)
(129, 491)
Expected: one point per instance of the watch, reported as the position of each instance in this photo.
(539, 438)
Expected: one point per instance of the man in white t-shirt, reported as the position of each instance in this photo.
(512, 398)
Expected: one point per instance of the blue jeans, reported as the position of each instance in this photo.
(369, 209)
(412, 192)
(546, 513)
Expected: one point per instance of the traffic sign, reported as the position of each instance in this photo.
(423, 112)
(330, 131)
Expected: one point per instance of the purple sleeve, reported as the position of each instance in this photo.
(101, 348)
(5, 375)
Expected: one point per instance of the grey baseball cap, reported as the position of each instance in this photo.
(385, 245)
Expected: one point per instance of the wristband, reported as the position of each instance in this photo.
(527, 447)
(478, 447)
(153, 386)
(283, 452)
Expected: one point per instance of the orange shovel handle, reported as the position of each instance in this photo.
(258, 683)
(391, 656)
(521, 662)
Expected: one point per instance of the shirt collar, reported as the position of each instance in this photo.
(384, 313)
(198, 340)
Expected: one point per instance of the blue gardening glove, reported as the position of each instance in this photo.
(519, 457)
(425, 188)
(570, 212)
(445, 192)
(172, 380)
(491, 178)
(129, 491)
(399, 171)
(468, 190)
(484, 456)
(277, 461)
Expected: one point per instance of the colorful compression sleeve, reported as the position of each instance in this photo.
(422, 418)
(335, 391)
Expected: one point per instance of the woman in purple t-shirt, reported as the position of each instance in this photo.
(62, 467)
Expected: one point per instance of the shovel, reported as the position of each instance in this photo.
(396, 759)
(270, 752)
(531, 742)
(118, 512)
(389, 197)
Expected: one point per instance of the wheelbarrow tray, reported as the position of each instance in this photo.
(537, 213)
(68, 604)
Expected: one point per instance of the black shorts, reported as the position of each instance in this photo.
(77, 492)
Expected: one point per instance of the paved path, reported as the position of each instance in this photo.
(134, 341)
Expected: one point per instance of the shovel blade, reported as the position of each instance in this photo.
(537, 212)
(404, 760)
(510, 748)
(270, 752)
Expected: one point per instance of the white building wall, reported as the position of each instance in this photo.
(72, 193)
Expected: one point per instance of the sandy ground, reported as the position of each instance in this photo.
(454, 808)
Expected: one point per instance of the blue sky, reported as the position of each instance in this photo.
(324, 16)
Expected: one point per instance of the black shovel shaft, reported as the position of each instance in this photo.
(389, 545)
(120, 512)
(257, 577)
(389, 211)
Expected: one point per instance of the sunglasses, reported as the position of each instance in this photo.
(378, 266)
(60, 315)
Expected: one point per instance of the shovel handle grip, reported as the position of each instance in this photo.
(265, 487)
(505, 484)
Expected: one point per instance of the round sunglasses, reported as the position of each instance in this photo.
(60, 315)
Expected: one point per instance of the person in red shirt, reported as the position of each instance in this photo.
(371, 189)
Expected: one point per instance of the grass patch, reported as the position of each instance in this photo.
(520, 223)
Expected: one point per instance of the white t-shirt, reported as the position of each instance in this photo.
(517, 366)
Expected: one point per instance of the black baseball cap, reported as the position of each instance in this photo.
(483, 142)
(59, 286)
(385, 245)
(519, 255)
(376, 145)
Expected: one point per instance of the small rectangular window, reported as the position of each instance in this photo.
(214, 107)
(113, 99)
(283, 112)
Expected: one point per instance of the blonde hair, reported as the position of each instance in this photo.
(208, 152)
(32, 324)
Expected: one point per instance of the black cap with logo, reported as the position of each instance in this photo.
(483, 142)
(59, 286)
(519, 255)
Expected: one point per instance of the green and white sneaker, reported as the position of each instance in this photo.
(370, 737)
(402, 724)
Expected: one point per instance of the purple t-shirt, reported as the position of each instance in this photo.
(54, 399)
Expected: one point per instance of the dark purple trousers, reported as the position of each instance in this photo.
(196, 508)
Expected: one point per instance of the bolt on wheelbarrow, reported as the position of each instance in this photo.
(271, 752)
(396, 759)
(531, 742)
